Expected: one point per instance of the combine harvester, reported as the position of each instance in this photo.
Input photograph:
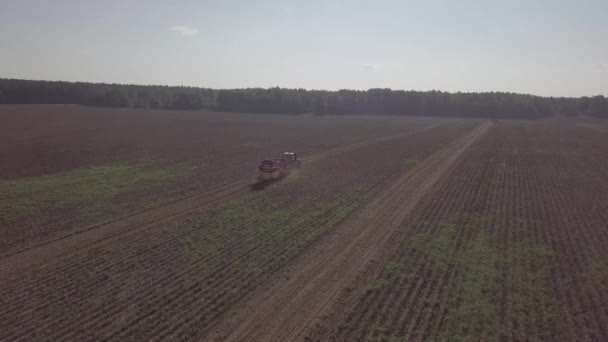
(271, 170)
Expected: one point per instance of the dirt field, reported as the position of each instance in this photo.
(394, 229)
(65, 169)
(511, 249)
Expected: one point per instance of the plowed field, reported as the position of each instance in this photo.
(171, 271)
(65, 169)
(513, 248)
(394, 228)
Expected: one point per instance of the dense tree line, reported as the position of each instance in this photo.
(298, 101)
(106, 95)
(399, 102)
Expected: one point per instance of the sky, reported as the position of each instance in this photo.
(542, 47)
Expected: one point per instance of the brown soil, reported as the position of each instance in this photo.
(291, 304)
(149, 284)
(538, 192)
(225, 149)
(156, 216)
(39, 140)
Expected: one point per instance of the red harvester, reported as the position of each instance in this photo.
(278, 168)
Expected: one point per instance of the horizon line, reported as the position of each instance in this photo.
(300, 88)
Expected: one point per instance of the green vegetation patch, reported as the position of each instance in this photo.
(528, 280)
(485, 269)
(269, 226)
(472, 306)
(409, 163)
(440, 246)
(597, 271)
(27, 198)
(477, 308)
(237, 245)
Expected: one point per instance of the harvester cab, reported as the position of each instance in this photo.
(278, 168)
(290, 157)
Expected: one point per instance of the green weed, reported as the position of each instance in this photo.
(473, 304)
(30, 197)
(273, 231)
(477, 307)
(528, 279)
(409, 163)
(597, 272)
(439, 247)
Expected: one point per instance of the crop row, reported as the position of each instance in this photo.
(510, 248)
(219, 149)
(173, 281)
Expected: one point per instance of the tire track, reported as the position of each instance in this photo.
(285, 309)
(48, 252)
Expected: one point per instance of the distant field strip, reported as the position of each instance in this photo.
(600, 127)
(151, 217)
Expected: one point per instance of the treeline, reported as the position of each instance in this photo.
(394, 102)
(106, 95)
(298, 101)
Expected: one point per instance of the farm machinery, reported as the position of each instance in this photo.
(273, 169)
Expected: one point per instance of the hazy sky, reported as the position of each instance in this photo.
(548, 47)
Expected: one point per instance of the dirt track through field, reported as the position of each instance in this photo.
(48, 252)
(285, 309)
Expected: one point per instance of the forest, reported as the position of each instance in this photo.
(301, 101)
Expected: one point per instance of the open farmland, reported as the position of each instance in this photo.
(511, 247)
(394, 229)
(64, 169)
(199, 264)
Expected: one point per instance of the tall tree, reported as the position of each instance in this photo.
(598, 107)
